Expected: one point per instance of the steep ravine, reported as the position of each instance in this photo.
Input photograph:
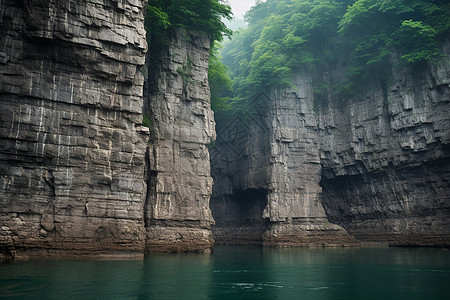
(81, 175)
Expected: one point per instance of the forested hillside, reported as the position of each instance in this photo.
(363, 37)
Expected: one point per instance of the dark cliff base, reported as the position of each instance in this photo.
(238, 218)
(406, 206)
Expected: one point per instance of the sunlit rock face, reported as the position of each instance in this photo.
(386, 159)
(72, 148)
(376, 168)
(177, 101)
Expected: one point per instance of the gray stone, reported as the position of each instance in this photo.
(177, 101)
(267, 170)
(386, 165)
(72, 149)
(288, 174)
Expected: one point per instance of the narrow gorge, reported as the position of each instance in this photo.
(110, 150)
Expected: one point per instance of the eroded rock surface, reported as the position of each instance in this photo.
(376, 168)
(177, 211)
(72, 148)
(272, 147)
(386, 160)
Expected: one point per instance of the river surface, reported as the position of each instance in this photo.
(239, 273)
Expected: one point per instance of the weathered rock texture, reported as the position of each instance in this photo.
(267, 170)
(177, 102)
(72, 148)
(378, 166)
(386, 160)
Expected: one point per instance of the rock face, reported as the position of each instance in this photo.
(79, 174)
(72, 148)
(386, 160)
(294, 209)
(266, 168)
(377, 167)
(177, 101)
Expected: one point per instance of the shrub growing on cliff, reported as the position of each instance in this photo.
(219, 81)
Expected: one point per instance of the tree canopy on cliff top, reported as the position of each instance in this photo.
(202, 15)
(285, 36)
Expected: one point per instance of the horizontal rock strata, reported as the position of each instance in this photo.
(386, 159)
(376, 168)
(177, 211)
(272, 147)
(72, 148)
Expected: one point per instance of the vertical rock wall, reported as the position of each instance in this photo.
(72, 148)
(241, 171)
(377, 166)
(273, 146)
(386, 160)
(294, 209)
(177, 211)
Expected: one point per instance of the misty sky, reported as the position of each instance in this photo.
(239, 7)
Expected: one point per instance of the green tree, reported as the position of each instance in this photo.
(364, 36)
(206, 16)
(412, 29)
(219, 81)
(203, 15)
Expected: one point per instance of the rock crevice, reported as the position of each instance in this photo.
(177, 101)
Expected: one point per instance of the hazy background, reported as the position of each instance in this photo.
(239, 7)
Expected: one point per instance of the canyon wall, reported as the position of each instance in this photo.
(80, 174)
(375, 167)
(177, 103)
(266, 168)
(386, 159)
(72, 148)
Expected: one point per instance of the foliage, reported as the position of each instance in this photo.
(285, 36)
(219, 81)
(202, 15)
(375, 30)
(146, 121)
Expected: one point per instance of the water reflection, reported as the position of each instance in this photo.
(181, 276)
(239, 273)
(242, 273)
(354, 273)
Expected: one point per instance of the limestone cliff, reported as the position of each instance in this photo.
(386, 159)
(266, 168)
(289, 173)
(177, 101)
(72, 148)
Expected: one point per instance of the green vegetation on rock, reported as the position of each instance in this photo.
(202, 15)
(365, 37)
(206, 16)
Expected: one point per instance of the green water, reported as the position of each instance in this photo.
(239, 273)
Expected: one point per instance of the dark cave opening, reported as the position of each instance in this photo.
(239, 217)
